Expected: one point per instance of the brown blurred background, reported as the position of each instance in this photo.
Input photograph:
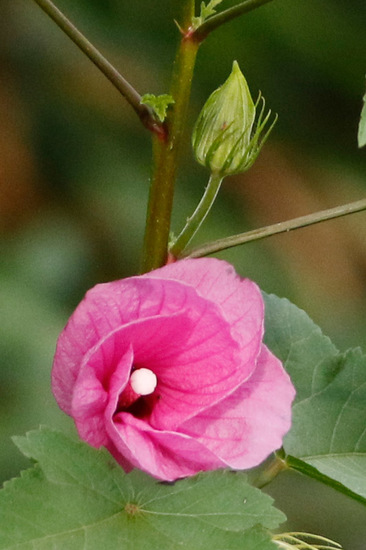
(74, 173)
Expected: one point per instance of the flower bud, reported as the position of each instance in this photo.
(225, 137)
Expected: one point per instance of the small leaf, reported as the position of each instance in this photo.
(206, 12)
(78, 497)
(362, 125)
(159, 104)
(329, 416)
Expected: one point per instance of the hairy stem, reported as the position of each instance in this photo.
(198, 216)
(225, 16)
(268, 231)
(144, 112)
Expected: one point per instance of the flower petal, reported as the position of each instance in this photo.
(91, 393)
(200, 373)
(248, 425)
(240, 300)
(105, 308)
(106, 369)
(163, 454)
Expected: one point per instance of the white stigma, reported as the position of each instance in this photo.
(143, 381)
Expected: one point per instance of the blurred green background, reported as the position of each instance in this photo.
(74, 176)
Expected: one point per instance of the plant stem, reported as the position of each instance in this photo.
(198, 216)
(223, 17)
(275, 467)
(144, 112)
(166, 154)
(188, 13)
(268, 231)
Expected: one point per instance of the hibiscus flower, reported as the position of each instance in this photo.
(169, 372)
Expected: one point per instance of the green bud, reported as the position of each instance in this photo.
(225, 137)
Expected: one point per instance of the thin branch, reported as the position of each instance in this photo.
(144, 112)
(282, 227)
(222, 17)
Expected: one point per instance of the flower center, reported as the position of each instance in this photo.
(139, 396)
(143, 381)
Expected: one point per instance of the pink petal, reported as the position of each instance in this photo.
(163, 454)
(200, 373)
(239, 300)
(250, 424)
(104, 309)
(91, 396)
(192, 354)
(105, 370)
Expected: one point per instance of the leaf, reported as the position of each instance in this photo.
(298, 342)
(78, 497)
(362, 125)
(206, 12)
(159, 104)
(329, 415)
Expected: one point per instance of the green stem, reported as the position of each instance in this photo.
(225, 16)
(166, 155)
(282, 227)
(275, 467)
(144, 112)
(188, 13)
(198, 216)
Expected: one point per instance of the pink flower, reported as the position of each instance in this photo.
(211, 395)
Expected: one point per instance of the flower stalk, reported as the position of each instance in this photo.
(275, 467)
(199, 215)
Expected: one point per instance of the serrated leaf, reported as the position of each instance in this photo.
(78, 497)
(329, 416)
(159, 104)
(362, 125)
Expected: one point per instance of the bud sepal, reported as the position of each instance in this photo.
(304, 541)
(226, 137)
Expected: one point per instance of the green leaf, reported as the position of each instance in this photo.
(206, 12)
(159, 104)
(78, 497)
(362, 125)
(298, 342)
(329, 415)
